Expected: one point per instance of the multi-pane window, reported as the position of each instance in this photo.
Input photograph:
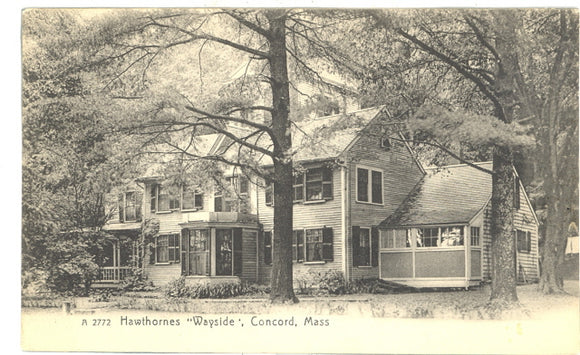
(427, 237)
(191, 199)
(312, 245)
(369, 185)
(397, 238)
(524, 241)
(130, 206)
(440, 237)
(475, 237)
(365, 246)
(233, 196)
(167, 248)
(452, 236)
(164, 198)
(195, 252)
(313, 185)
(224, 252)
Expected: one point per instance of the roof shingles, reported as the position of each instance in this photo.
(448, 195)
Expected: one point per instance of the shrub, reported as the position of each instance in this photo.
(328, 282)
(73, 277)
(179, 289)
(137, 281)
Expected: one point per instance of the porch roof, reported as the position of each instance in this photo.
(131, 226)
(447, 195)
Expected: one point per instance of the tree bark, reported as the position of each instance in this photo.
(282, 290)
(503, 247)
(503, 244)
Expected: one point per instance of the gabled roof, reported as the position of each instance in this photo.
(328, 137)
(448, 195)
(200, 146)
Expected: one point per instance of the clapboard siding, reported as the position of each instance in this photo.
(249, 266)
(523, 220)
(400, 174)
(306, 216)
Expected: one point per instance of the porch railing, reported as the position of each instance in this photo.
(113, 273)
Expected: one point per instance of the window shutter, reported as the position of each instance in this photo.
(268, 248)
(355, 245)
(218, 204)
(294, 246)
(529, 241)
(152, 253)
(153, 197)
(138, 204)
(374, 246)
(327, 252)
(237, 245)
(184, 251)
(121, 200)
(327, 183)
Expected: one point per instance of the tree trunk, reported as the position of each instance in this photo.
(282, 290)
(503, 247)
(503, 244)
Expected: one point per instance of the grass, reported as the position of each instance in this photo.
(438, 304)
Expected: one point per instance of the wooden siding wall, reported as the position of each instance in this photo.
(313, 215)
(524, 221)
(400, 175)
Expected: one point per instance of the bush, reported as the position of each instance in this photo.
(179, 289)
(329, 282)
(137, 281)
(73, 277)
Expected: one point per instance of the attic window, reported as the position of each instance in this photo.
(386, 142)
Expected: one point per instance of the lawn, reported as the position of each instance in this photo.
(439, 304)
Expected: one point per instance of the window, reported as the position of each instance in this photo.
(365, 246)
(191, 199)
(312, 245)
(298, 245)
(452, 236)
(164, 198)
(233, 196)
(440, 237)
(195, 252)
(130, 206)
(298, 187)
(315, 184)
(226, 252)
(524, 241)
(385, 142)
(516, 192)
(269, 194)
(475, 240)
(369, 185)
(268, 248)
(397, 238)
(167, 248)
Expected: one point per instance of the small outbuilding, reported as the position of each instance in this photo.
(440, 235)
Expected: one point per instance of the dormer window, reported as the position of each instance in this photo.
(191, 199)
(130, 206)
(385, 142)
